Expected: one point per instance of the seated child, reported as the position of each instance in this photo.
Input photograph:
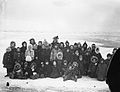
(71, 72)
(17, 72)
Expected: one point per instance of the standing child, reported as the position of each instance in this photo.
(7, 61)
(101, 70)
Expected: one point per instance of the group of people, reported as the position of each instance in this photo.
(56, 59)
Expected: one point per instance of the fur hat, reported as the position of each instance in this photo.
(56, 37)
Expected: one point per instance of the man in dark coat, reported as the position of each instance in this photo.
(7, 61)
(113, 74)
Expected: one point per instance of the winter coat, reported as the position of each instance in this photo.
(101, 71)
(7, 60)
(55, 72)
(67, 56)
(29, 55)
(70, 74)
(54, 54)
(23, 49)
(19, 57)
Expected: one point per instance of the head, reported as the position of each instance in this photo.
(80, 57)
(94, 59)
(43, 46)
(85, 45)
(71, 47)
(55, 39)
(65, 62)
(61, 45)
(97, 50)
(18, 49)
(56, 46)
(79, 45)
(93, 46)
(109, 56)
(75, 45)
(68, 50)
(30, 47)
(40, 43)
(67, 43)
(32, 41)
(77, 52)
(25, 64)
(24, 44)
(8, 49)
(47, 63)
(82, 49)
(12, 44)
(102, 60)
(75, 64)
(114, 50)
(54, 63)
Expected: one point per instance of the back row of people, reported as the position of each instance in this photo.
(55, 60)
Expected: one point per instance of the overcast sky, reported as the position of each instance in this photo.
(74, 16)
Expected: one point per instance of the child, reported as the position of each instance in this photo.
(34, 74)
(19, 56)
(71, 72)
(93, 67)
(55, 72)
(64, 66)
(47, 69)
(7, 61)
(17, 72)
(101, 70)
(29, 54)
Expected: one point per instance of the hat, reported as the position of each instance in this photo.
(56, 37)
(31, 39)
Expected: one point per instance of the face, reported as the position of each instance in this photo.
(80, 58)
(12, 44)
(32, 41)
(61, 45)
(29, 47)
(40, 43)
(67, 44)
(56, 46)
(68, 50)
(77, 52)
(71, 47)
(18, 49)
(43, 46)
(79, 45)
(25, 44)
(109, 57)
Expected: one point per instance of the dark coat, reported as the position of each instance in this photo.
(101, 71)
(70, 74)
(19, 57)
(7, 60)
(113, 74)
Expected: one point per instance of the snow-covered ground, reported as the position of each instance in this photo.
(84, 84)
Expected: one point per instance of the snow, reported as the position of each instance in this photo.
(85, 84)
